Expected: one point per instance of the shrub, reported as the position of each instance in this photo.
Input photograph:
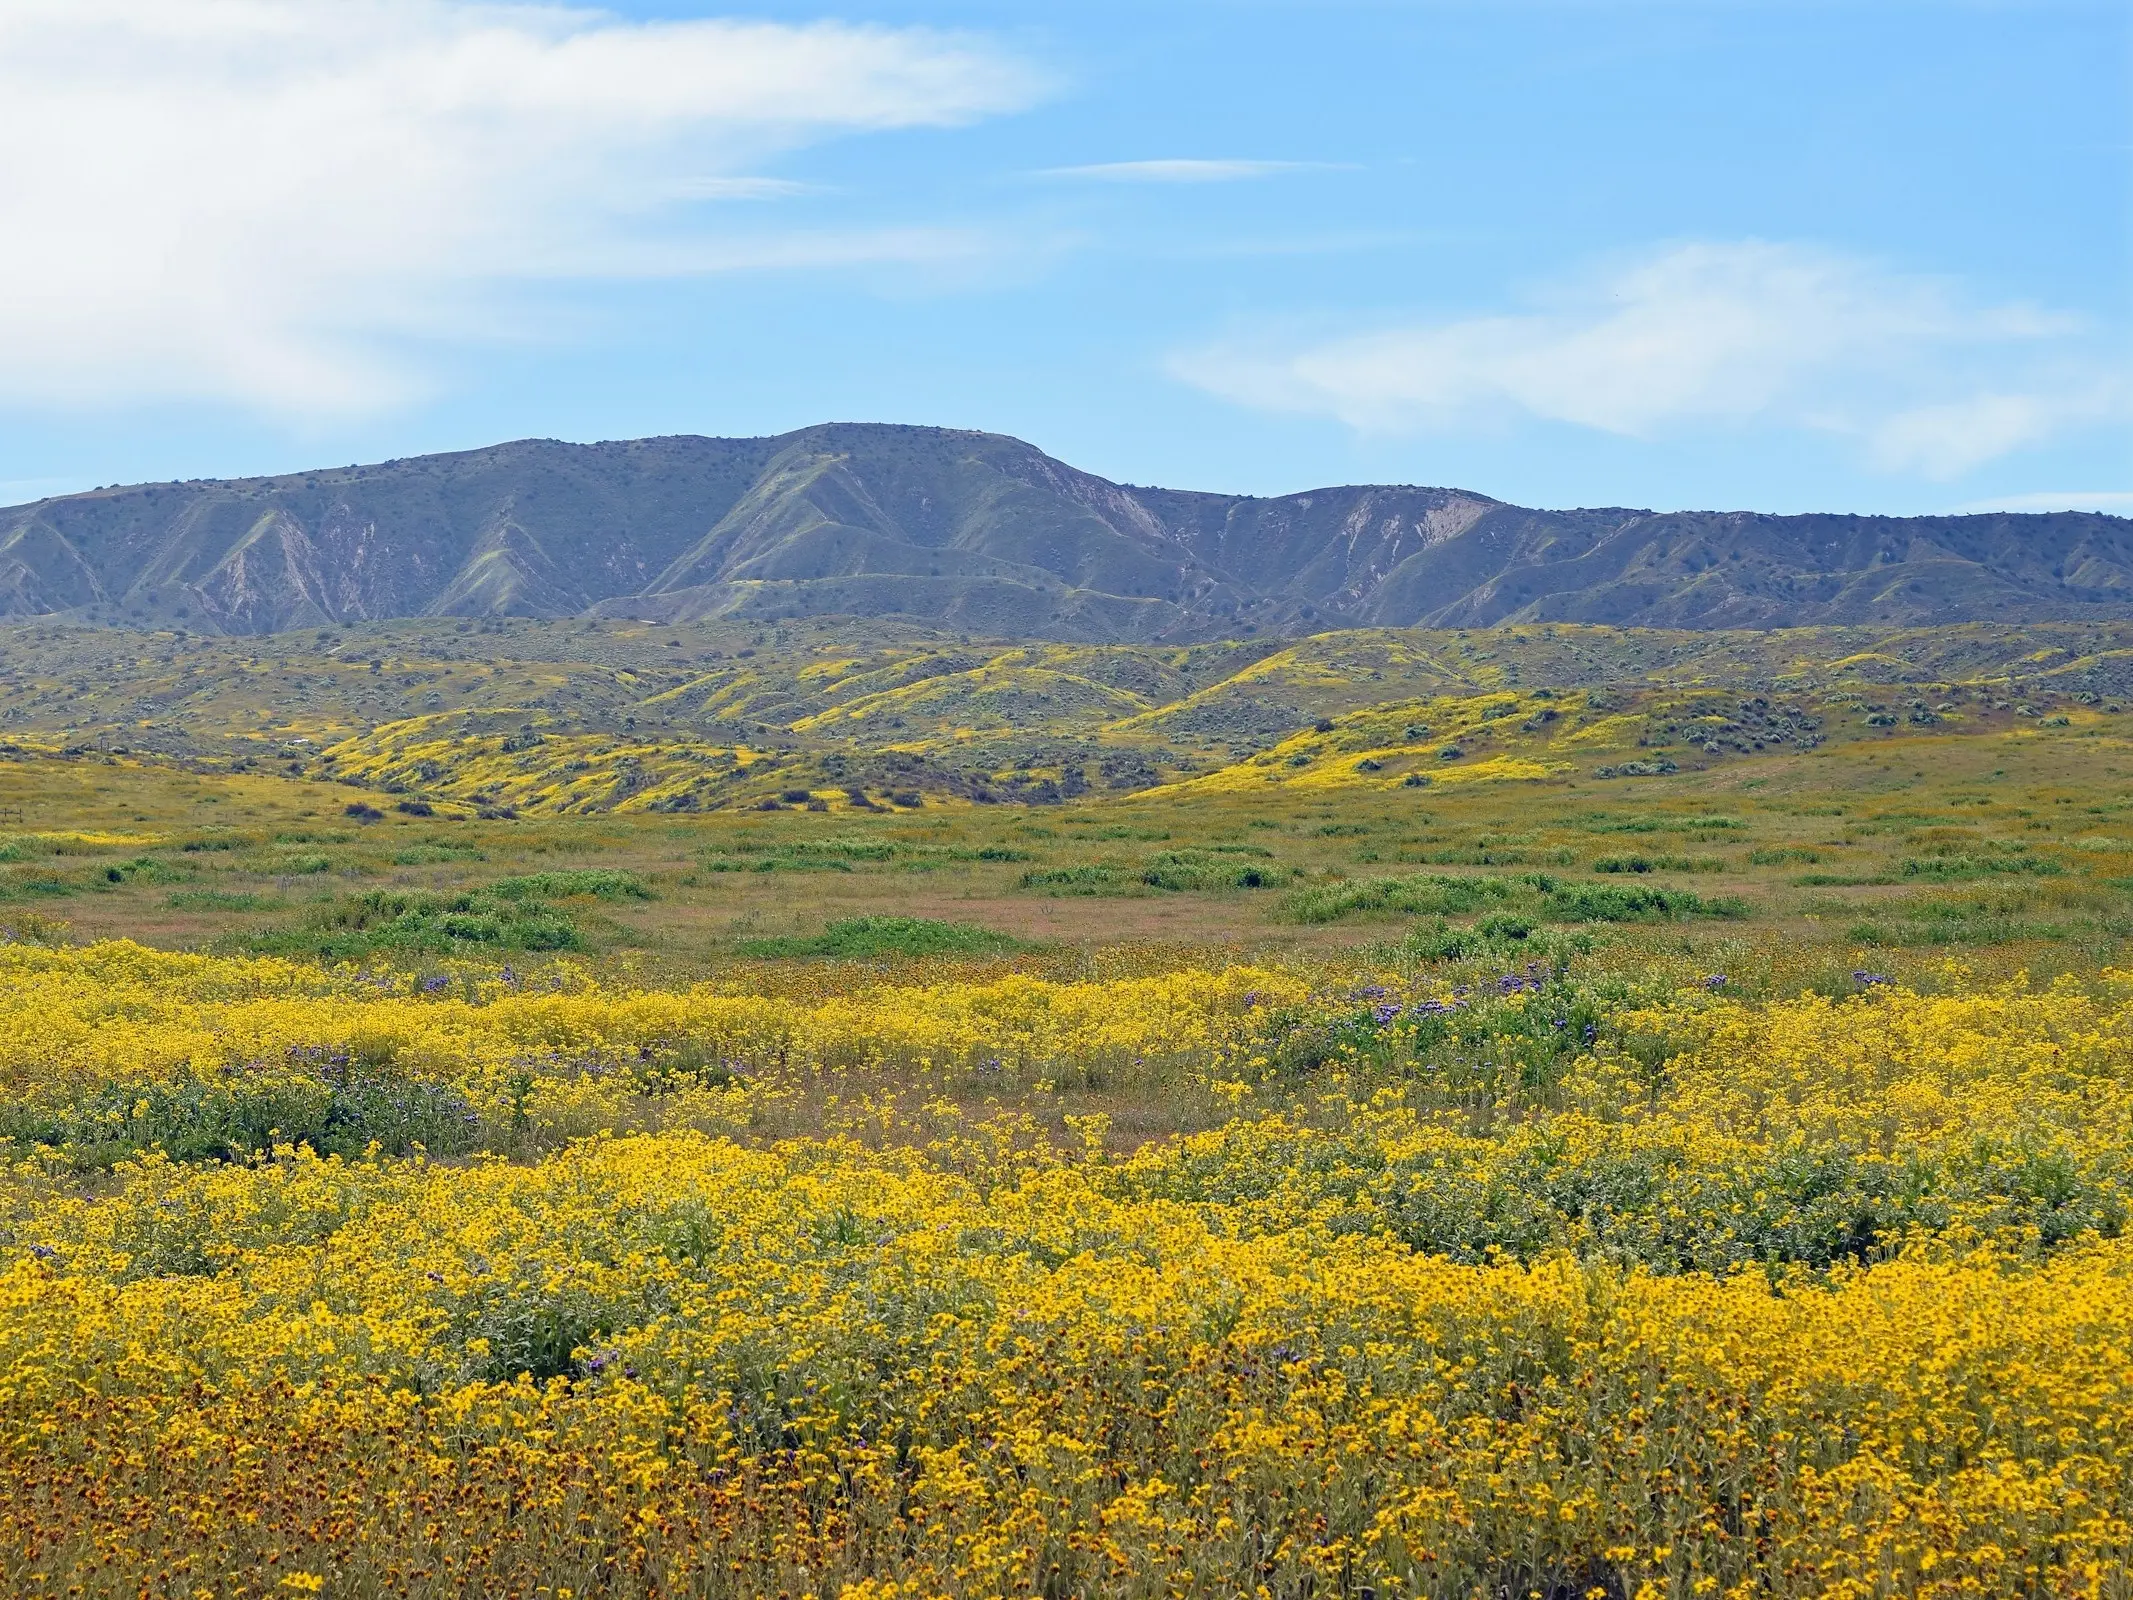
(1609, 902)
(1204, 869)
(410, 922)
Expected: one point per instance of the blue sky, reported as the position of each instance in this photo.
(1860, 256)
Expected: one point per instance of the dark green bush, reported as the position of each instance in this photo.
(1612, 902)
(410, 922)
(1205, 869)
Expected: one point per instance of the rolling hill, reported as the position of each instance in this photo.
(982, 533)
(588, 714)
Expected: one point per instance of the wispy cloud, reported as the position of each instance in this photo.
(2118, 502)
(1944, 439)
(1710, 335)
(248, 199)
(1184, 170)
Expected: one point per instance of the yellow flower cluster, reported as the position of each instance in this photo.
(1707, 1134)
(668, 1365)
(1805, 1297)
(127, 1046)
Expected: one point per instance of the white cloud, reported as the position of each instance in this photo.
(249, 199)
(1945, 439)
(2118, 502)
(1181, 170)
(1703, 335)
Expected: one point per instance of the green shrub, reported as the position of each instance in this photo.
(1611, 902)
(149, 869)
(1205, 869)
(1642, 864)
(412, 922)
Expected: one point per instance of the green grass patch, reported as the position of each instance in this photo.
(1197, 870)
(436, 855)
(1088, 879)
(219, 900)
(834, 853)
(1952, 869)
(1422, 895)
(1602, 822)
(37, 886)
(1502, 936)
(1488, 855)
(881, 938)
(601, 883)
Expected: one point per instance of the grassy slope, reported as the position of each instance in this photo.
(1980, 832)
(631, 715)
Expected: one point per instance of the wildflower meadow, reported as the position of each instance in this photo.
(1565, 1184)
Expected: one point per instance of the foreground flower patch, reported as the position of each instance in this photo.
(1492, 1288)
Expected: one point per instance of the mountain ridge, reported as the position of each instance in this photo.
(961, 529)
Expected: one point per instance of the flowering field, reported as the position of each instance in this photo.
(1451, 1280)
(1543, 1114)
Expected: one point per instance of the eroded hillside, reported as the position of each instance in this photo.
(986, 534)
